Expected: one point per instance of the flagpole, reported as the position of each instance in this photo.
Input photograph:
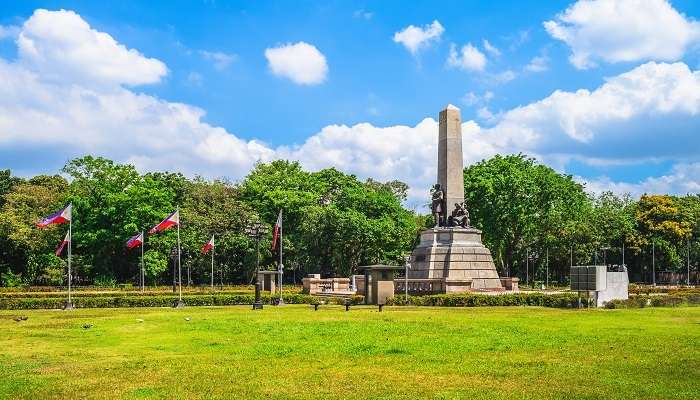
(281, 266)
(143, 275)
(179, 269)
(70, 253)
(213, 249)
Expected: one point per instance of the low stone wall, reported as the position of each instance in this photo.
(314, 284)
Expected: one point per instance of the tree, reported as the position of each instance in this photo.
(21, 242)
(333, 222)
(662, 223)
(520, 205)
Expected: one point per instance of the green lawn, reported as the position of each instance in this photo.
(406, 353)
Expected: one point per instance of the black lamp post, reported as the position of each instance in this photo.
(256, 230)
(173, 257)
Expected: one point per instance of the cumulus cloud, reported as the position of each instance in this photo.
(648, 113)
(623, 30)
(415, 38)
(642, 110)
(60, 45)
(684, 178)
(300, 62)
(468, 58)
(220, 60)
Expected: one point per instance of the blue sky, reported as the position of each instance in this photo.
(500, 62)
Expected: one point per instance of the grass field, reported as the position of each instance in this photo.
(402, 353)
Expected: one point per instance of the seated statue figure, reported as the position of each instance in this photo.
(460, 216)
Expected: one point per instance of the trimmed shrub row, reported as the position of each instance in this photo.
(163, 301)
(671, 300)
(135, 293)
(481, 300)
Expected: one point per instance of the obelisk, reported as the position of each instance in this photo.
(450, 172)
(451, 258)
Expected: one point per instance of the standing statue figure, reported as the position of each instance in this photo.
(460, 216)
(437, 207)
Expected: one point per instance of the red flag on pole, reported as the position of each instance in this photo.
(276, 231)
(172, 220)
(208, 246)
(59, 217)
(135, 241)
(63, 244)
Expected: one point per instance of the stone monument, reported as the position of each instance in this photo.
(452, 251)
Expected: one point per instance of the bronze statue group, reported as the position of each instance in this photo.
(459, 217)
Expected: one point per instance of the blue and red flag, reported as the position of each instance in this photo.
(63, 244)
(172, 220)
(208, 246)
(276, 231)
(59, 217)
(135, 241)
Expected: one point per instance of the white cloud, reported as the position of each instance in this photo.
(499, 78)
(627, 108)
(538, 64)
(491, 49)
(649, 113)
(415, 38)
(623, 30)
(60, 45)
(469, 58)
(220, 60)
(684, 178)
(301, 62)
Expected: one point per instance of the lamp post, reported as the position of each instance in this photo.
(653, 262)
(173, 257)
(408, 266)
(256, 230)
(687, 254)
(605, 255)
(527, 266)
(546, 278)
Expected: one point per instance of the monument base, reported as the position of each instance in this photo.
(457, 256)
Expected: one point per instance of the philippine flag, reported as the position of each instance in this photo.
(172, 220)
(208, 246)
(135, 241)
(63, 244)
(276, 231)
(58, 217)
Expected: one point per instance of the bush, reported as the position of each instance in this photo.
(567, 300)
(10, 279)
(672, 300)
(105, 281)
(218, 299)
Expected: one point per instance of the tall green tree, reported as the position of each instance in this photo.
(523, 207)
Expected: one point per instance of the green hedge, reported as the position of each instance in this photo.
(135, 293)
(218, 299)
(689, 298)
(480, 300)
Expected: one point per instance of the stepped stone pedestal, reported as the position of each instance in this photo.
(456, 255)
